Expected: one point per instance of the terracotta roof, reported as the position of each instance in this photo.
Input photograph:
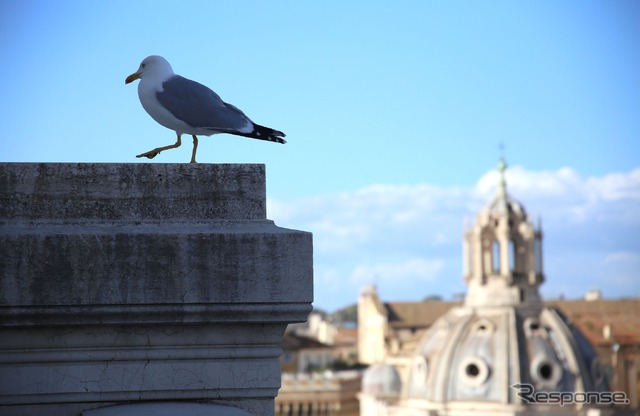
(346, 336)
(627, 306)
(623, 317)
(293, 342)
(416, 314)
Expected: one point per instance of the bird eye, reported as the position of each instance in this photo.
(143, 65)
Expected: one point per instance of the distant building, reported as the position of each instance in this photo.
(489, 354)
(302, 354)
(319, 394)
(391, 329)
(593, 294)
(309, 388)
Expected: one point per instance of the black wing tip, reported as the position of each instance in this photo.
(267, 133)
(272, 138)
(278, 136)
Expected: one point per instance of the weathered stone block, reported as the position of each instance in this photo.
(143, 282)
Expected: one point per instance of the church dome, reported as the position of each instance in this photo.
(381, 380)
(502, 338)
(474, 354)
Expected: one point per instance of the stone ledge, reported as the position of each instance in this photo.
(148, 266)
(143, 283)
(131, 192)
(189, 313)
(181, 409)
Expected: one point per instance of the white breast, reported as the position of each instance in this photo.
(147, 94)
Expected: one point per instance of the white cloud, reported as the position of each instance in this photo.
(414, 232)
(412, 269)
(624, 257)
(617, 186)
(563, 195)
(540, 183)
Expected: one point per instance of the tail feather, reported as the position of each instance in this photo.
(264, 133)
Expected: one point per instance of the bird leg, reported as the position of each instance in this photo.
(195, 147)
(153, 153)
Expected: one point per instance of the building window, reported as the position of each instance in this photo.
(496, 256)
(467, 262)
(538, 255)
(512, 256)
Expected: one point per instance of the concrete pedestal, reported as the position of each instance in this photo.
(126, 283)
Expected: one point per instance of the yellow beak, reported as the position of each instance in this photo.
(132, 77)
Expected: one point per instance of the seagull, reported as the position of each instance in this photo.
(188, 107)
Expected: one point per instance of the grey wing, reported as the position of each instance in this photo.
(198, 106)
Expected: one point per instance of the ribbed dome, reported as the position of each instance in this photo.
(474, 353)
(381, 380)
(506, 204)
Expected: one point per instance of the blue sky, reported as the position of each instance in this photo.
(393, 113)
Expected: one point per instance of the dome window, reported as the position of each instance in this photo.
(532, 326)
(545, 372)
(474, 371)
(483, 327)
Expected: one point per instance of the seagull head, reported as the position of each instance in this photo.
(152, 67)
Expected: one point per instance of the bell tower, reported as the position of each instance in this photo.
(502, 253)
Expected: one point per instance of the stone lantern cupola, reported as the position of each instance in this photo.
(503, 253)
